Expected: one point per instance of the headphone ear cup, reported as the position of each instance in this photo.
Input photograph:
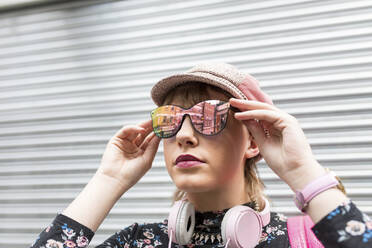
(225, 219)
(185, 223)
(172, 220)
(181, 222)
(242, 227)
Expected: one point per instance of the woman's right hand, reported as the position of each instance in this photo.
(129, 154)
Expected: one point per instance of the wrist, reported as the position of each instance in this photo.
(302, 176)
(111, 184)
(324, 203)
(102, 192)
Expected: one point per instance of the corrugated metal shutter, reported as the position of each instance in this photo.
(72, 74)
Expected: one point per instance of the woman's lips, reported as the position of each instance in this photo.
(187, 157)
(187, 164)
(187, 161)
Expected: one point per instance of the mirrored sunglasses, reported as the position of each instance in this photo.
(207, 117)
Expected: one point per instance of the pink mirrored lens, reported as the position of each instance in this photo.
(208, 118)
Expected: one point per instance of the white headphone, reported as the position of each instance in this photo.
(241, 226)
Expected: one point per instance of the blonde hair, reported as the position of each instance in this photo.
(195, 92)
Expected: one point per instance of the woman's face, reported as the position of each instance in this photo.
(223, 154)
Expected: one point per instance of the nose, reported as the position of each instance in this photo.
(186, 135)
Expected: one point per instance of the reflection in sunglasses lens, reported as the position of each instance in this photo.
(208, 118)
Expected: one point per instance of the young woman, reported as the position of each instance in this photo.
(216, 124)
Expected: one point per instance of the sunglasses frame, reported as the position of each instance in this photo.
(184, 116)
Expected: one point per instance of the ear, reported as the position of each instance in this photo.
(252, 149)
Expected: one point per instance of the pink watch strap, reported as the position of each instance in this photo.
(319, 185)
(314, 188)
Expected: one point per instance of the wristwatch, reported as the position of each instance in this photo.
(303, 197)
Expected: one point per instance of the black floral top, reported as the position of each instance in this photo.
(345, 226)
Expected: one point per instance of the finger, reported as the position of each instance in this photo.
(141, 137)
(262, 115)
(148, 140)
(151, 146)
(129, 132)
(256, 130)
(249, 104)
(146, 124)
(265, 125)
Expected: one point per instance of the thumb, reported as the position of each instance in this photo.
(256, 130)
(151, 146)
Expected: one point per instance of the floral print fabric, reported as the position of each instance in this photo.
(64, 232)
(205, 234)
(346, 226)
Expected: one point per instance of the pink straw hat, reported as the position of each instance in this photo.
(225, 76)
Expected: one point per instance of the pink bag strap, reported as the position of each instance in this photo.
(300, 233)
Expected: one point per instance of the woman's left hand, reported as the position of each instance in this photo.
(283, 146)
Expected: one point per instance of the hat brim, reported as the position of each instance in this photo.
(161, 89)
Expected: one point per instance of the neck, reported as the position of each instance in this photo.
(219, 199)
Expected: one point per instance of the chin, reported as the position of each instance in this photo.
(192, 183)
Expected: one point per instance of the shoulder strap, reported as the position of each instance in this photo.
(300, 233)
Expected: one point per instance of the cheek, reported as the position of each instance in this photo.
(233, 145)
(224, 158)
(168, 151)
(239, 135)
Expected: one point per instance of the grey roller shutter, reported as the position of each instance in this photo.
(73, 73)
